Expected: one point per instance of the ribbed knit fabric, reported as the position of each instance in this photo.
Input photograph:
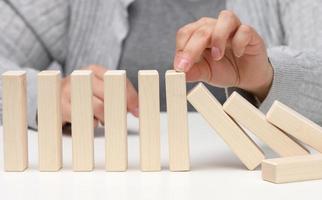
(74, 33)
(292, 30)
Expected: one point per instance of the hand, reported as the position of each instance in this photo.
(224, 53)
(98, 96)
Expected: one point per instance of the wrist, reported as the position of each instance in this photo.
(263, 89)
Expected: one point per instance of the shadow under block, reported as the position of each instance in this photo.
(177, 121)
(115, 116)
(296, 125)
(249, 116)
(49, 121)
(82, 120)
(240, 143)
(14, 102)
(149, 110)
(292, 169)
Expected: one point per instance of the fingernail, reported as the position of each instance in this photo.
(136, 112)
(215, 53)
(183, 65)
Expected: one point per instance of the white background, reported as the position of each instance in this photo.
(216, 173)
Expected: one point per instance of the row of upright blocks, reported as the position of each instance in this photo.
(274, 129)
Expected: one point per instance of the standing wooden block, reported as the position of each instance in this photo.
(177, 121)
(49, 121)
(296, 125)
(291, 169)
(14, 105)
(149, 110)
(250, 117)
(82, 120)
(115, 110)
(242, 145)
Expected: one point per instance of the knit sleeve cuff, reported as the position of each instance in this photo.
(287, 79)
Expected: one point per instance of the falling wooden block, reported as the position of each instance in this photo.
(149, 110)
(49, 121)
(296, 125)
(115, 110)
(242, 145)
(177, 121)
(82, 120)
(291, 169)
(14, 105)
(254, 120)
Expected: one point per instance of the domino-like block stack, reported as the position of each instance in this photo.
(282, 129)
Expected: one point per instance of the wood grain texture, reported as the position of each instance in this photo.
(296, 125)
(115, 116)
(239, 142)
(177, 121)
(82, 120)
(249, 116)
(49, 121)
(14, 105)
(149, 110)
(292, 169)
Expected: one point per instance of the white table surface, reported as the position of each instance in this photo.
(216, 173)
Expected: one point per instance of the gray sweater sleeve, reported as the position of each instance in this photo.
(297, 81)
(292, 30)
(6, 65)
(297, 65)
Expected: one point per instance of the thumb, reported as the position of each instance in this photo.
(199, 72)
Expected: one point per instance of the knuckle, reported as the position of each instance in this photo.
(203, 33)
(228, 14)
(246, 29)
(204, 20)
(182, 32)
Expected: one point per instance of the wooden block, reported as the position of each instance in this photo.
(296, 125)
(149, 110)
(82, 120)
(49, 121)
(14, 105)
(115, 116)
(177, 121)
(254, 120)
(291, 169)
(239, 142)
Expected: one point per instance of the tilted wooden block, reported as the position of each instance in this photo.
(254, 120)
(177, 121)
(296, 125)
(205, 103)
(82, 120)
(291, 169)
(14, 105)
(49, 121)
(149, 110)
(115, 116)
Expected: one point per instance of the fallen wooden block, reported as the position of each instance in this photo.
(149, 111)
(240, 143)
(249, 116)
(115, 116)
(82, 120)
(49, 121)
(177, 121)
(14, 105)
(296, 125)
(291, 169)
